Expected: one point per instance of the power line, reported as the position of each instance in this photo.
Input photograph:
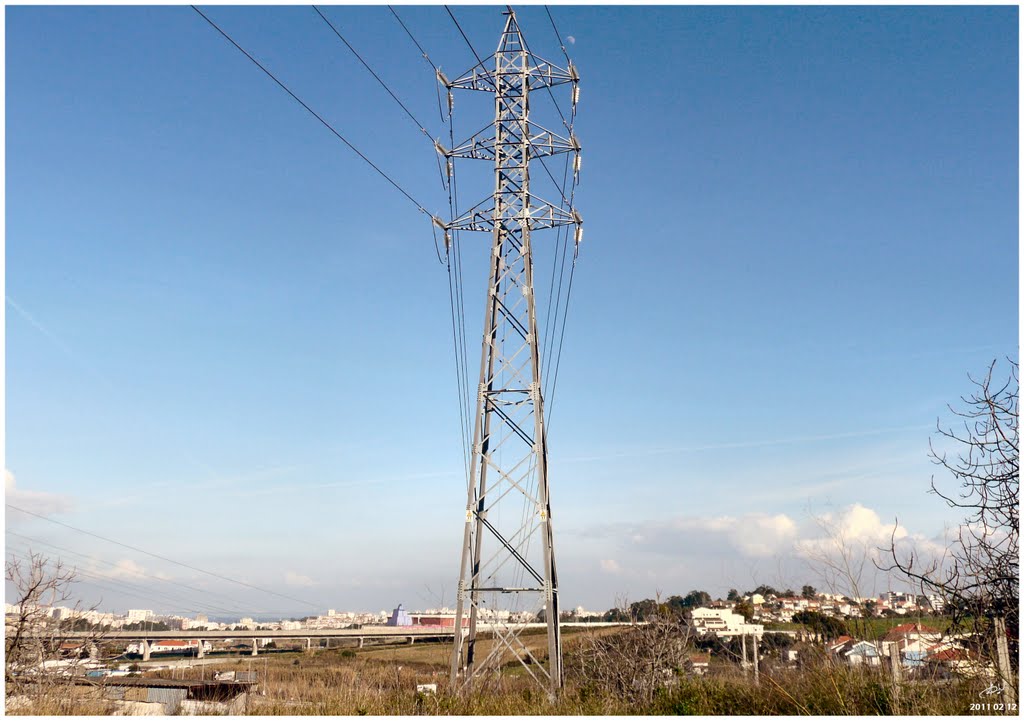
(390, 92)
(565, 314)
(561, 239)
(558, 359)
(457, 304)
(551, 94)
(557, 34)
(129, 588)
(164, 558)
(239, 606)
(374, 74)
(423, 54)
(478, 60)
(415, 42)
(312, 112)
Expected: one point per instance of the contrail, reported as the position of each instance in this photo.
(746, 444)
(52, 337)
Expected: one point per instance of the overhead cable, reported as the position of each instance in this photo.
(123, 586)
(478, 60)
(389, 91)
(163, 558)
(239, 606)
(415, 42)
(373, 73)
(558, 35)
(316, 115)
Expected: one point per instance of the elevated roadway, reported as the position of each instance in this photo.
(406, 634)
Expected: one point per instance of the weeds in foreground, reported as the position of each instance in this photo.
(336, 683)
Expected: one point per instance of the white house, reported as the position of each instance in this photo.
(723, 622)
(862, 653)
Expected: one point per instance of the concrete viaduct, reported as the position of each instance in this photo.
(408, 633)
(145, 638)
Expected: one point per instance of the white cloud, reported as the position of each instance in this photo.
(754, 535)
(40, 502)
(610, 565)
(127, 568)
(292, 578)
(856, 524)
(758, 547)
(759, 535)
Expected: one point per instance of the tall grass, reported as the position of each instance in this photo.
(383, 682)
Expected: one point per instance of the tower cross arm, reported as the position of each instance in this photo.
(538, 215)
(540, 73)
(543, 143)
(543, 73)
(479, 77)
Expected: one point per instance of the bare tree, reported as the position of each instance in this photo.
(635, 662)
(841, 563)
(979, 577)
(35, 669)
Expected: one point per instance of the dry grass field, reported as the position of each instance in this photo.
(619, 680)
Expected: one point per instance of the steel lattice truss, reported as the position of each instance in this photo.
(508, 565)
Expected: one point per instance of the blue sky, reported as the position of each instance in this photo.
(228, 340)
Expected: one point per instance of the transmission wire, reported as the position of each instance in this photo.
(463, 34)
(423, 54)
(163, 558)
(557, 34)
(186, 604)
(240, 606)
(411, 37)
(312, 112)
(127, 588)
(422, 128)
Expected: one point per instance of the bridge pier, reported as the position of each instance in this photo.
(200, 651)
(309, 645)
(360, 642)
(255, 647)
(412, 640)
(145, 650)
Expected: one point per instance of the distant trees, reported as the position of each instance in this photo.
(745, 609)
(733, 595)
(809, 592)
(147, 626)
(776, 641)
(819, 623)
(694, 599)
(616, 615)
(643, 610)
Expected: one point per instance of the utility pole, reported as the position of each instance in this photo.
(757, 660)
(508, 571)
(743, 649)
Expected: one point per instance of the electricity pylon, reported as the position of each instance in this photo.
(508, 556)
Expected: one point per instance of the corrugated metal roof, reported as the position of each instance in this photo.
(161, 682)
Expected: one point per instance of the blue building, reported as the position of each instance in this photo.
(399, 617)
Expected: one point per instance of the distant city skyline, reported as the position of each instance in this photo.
(228, 342)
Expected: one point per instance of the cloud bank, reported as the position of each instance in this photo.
(45, 504)
(840, 549)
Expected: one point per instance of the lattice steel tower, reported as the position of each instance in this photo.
(508, 570)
